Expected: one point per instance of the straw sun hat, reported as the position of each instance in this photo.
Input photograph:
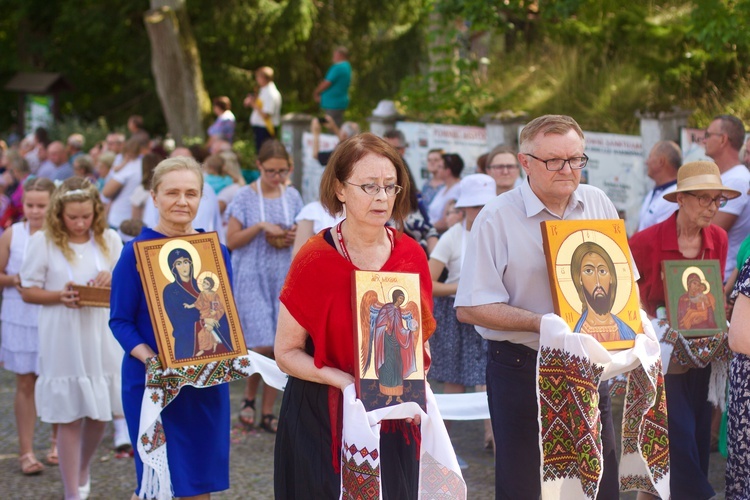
(699, 176)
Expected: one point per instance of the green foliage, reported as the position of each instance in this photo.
(297, 38)
(93, 131)
(100, 47)
(599, 60)
(245, 150)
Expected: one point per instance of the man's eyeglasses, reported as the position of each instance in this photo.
(704, 200)
(708, 134)
(555, 164)
(274, 173)
(373, 189)
(501, 167)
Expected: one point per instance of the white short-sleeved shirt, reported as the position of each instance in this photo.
(448, 251)
(442, 197)
(227, 194)
(140, 196)
(318, 215)
(129, 176)
(737, 177)
(270, 99)
(505, 261)
(655, 208)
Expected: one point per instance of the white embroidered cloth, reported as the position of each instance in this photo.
(569, 368)
(162, 386)
(439, 473)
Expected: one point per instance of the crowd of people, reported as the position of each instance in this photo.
(69, 218)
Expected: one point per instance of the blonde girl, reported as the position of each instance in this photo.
(79, 360)
(19, 320)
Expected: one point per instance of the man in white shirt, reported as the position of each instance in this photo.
(662, 164)
(122, 181)
(723, 140)
(504, 291)
(266, 116)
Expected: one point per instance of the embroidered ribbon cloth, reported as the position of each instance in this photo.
(439, 473)
(697, 353)
(163, 385)
(569, 368)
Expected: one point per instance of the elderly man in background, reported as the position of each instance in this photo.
(57, 167)
(662, 164)
(114, 142)
(75, 146)
(504, 294)
(723, 140)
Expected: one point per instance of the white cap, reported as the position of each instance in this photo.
(385, 108)
(476, 190)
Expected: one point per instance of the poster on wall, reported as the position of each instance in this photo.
(468, 142)
(37, 112)
(616, 167)
(691, 143)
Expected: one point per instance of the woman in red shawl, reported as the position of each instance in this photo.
(314, 338)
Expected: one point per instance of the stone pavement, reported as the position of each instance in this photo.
(252, 461)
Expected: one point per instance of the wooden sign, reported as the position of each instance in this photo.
(190, 299)
(694, 297)
(388, 339)
(591, 279)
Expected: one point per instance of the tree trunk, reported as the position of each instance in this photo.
(176, 65)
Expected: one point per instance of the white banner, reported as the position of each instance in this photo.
(468, 142)
(616, 167)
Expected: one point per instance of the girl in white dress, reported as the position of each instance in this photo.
(19, 320)
(79, 359)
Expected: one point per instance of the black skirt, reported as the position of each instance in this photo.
(303, 458)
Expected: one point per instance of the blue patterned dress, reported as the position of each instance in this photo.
(259, 268)
(738, 411)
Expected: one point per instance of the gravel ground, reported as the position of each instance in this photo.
(252, 467)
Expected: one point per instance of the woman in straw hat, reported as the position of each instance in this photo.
(687, 234)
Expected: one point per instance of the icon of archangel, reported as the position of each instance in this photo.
(390, 336)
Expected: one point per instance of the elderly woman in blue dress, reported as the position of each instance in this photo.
(196, 423)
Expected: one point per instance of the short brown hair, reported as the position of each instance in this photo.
(548, 124)
(273, 148)
(498, 150)
(734, 128)
(341, 164)
(222, 102)
(38, 184)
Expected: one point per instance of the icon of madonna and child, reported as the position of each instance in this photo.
(194, 306)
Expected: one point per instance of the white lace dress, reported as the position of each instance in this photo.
(79, 358)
